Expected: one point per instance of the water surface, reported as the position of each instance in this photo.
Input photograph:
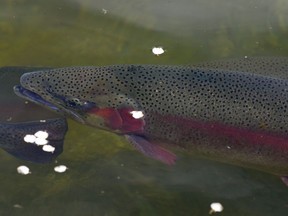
(106, 176)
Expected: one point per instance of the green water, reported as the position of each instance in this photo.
(106, 176)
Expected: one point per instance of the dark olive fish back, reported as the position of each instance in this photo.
(267, 66)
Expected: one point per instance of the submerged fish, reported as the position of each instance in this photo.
(19, 118)
(229, 116)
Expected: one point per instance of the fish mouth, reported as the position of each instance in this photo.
(35, 98)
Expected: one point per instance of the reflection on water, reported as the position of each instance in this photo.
(105, 175)
(187, 18)
(58, 33)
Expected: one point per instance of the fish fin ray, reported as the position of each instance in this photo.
(152, 150)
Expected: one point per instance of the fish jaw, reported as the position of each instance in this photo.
(32, 96)
(36, 88)
(32, 89)
(35, 98)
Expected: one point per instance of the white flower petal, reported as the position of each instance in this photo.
(29, 138)
(40, 141)
(23, 170)
(60, 168)
(157, 50)
(216, 207)
(41, 134)
(48, 148)
(137, 114)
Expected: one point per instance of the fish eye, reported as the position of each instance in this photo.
(78, 104)
(73, 102)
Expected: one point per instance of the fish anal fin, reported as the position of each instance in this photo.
(152, 150)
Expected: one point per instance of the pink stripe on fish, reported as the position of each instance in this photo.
(216, 129)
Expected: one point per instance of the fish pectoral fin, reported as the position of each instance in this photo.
(152, 150)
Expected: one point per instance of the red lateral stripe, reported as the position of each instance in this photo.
(236, 133)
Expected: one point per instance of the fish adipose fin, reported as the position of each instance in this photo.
(152, 150)
(12, 139)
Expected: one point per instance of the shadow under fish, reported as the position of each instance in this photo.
(19, 118)
(236, 115)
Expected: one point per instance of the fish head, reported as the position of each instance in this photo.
(89, 95)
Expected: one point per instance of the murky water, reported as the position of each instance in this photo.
(106, 176)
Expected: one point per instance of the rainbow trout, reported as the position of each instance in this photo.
(231, 115)
(19, 118)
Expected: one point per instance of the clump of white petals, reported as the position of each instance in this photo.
(39, 138)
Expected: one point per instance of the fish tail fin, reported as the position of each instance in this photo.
(12, 139)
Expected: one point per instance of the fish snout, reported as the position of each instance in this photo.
(34, 81)
(26, 80)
